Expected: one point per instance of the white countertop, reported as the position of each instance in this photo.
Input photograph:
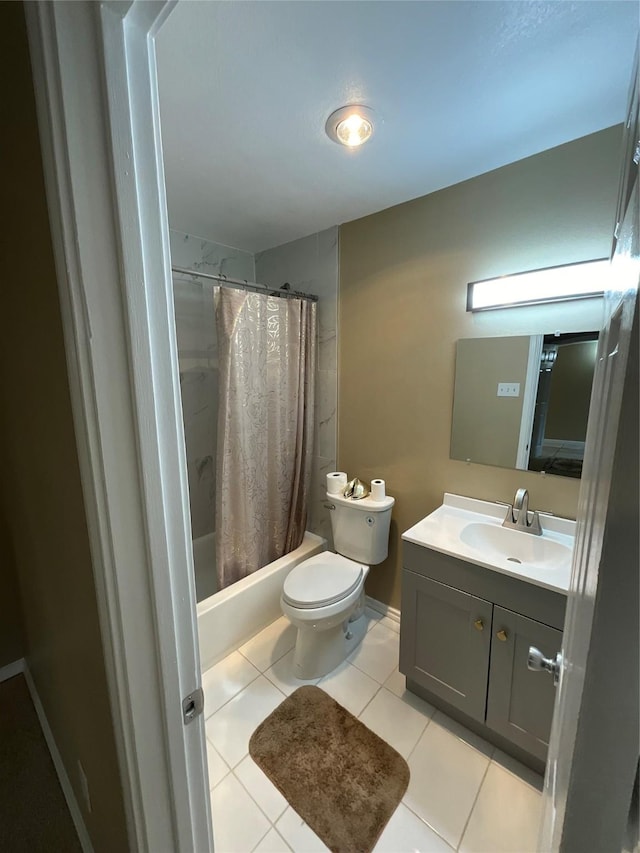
(442, 529)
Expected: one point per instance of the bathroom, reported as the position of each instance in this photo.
(391, 289)
(106, 608)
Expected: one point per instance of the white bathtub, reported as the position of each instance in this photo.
(235, 614)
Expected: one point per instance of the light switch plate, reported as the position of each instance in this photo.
(508, 389)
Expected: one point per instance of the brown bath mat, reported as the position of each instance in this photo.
(343, 780)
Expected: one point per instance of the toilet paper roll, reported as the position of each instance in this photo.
(336, 481)
(377, 490)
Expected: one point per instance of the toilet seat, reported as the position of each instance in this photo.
(322, 580)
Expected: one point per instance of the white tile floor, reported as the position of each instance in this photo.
(463, 794)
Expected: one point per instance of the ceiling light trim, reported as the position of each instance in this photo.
(342, 128)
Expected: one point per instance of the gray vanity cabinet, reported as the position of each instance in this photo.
(464, 643)
(446, 642)
(519, 701)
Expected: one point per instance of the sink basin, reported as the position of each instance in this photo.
(471, 529)
(515, 546)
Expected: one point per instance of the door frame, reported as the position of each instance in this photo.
(595, 737)
(529, 395)
(95, 82)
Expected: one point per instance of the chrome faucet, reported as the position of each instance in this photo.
(518, 515)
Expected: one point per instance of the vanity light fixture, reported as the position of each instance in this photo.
(553, 284)
(351, 126)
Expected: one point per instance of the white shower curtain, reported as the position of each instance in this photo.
(267, 353)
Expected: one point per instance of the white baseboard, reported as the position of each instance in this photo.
(390, 612)
(11, 669)
(63, 778)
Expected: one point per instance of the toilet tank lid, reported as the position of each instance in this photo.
(322, 580)
(368, 504)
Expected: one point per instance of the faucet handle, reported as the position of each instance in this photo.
(508, 506)
(534, 525)
(509, 519)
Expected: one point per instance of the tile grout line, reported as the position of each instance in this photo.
(353, 663)
(235, 696)
(272, 824)
(517, 776)
(399, 698)
(253, 800)
(425, 822)
(220, 781)
(271, 663)
(217, 752)
(368, 703)
(475, 800)
(231, 698)
(418, 741)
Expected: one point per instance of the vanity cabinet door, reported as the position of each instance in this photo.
(444, 642)
(520, 702)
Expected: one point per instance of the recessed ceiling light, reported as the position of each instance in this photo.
(350, 126)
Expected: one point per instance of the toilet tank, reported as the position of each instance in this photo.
(361, 528)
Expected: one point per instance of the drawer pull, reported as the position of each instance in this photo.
(478, 625)
(502, 636)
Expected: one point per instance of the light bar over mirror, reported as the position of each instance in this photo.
(554, 284)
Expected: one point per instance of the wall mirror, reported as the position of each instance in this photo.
(523, 401)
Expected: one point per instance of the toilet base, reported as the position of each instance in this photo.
(317, 653)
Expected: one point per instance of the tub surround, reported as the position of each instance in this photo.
(403, 277)
(198, 363)
(311, 265)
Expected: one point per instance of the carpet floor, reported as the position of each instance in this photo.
(343, 780)
(33, 813)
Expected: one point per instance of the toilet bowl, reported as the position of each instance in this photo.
(324, 595)
(319, 597)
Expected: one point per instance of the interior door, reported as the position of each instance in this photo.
(593, 751)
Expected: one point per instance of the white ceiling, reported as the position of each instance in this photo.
(459, 87)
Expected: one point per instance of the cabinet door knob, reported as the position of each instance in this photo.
(502, 636)
(478, 625)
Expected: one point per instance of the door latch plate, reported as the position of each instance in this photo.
(192, 706)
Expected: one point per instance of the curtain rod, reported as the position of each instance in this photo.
(253, 286)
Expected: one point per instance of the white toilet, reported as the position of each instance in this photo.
(324, 595)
